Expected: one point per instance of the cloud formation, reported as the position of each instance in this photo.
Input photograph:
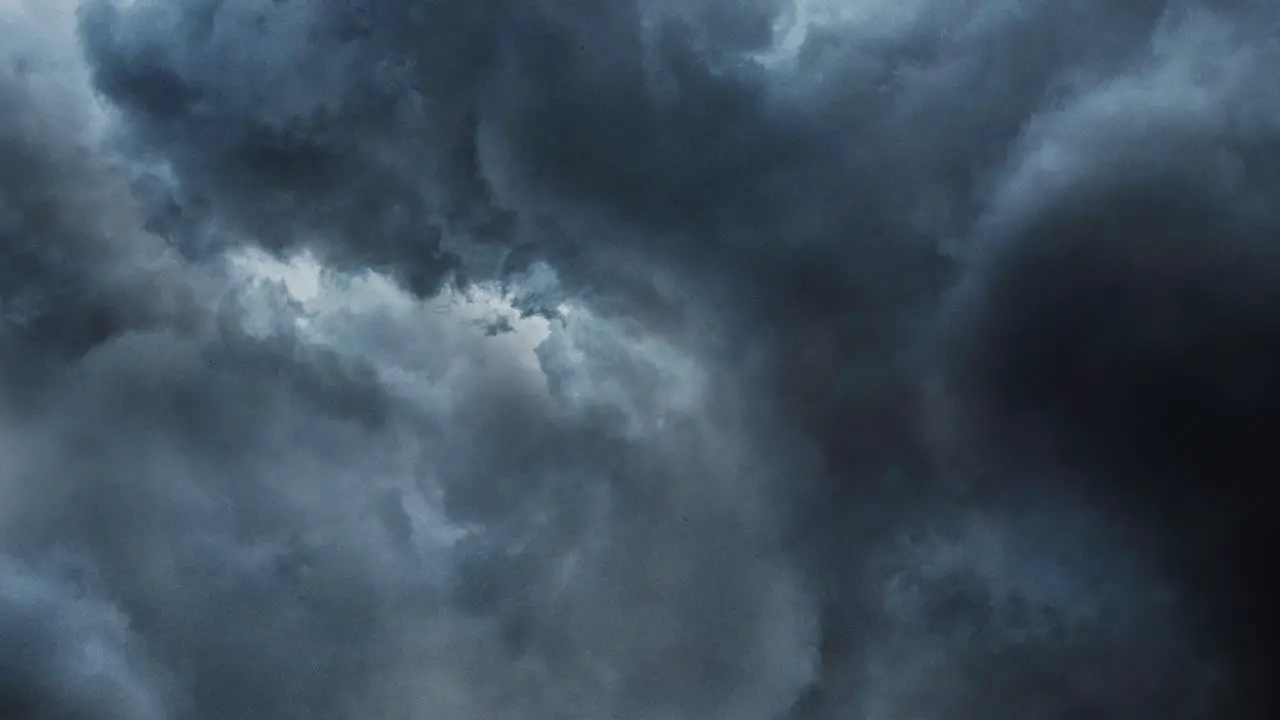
(637, 359)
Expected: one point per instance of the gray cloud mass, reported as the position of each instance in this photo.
(638, 359)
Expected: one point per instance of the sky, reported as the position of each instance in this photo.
(638, 359)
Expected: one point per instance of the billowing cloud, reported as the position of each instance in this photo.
(636, 359)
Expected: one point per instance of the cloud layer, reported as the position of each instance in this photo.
(637, 359)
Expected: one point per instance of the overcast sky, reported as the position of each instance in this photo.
(638, 359)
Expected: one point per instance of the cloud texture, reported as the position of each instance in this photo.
(638, 359)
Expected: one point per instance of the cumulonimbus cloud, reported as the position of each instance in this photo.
(636, 359)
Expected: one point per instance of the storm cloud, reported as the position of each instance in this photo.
(638, 359)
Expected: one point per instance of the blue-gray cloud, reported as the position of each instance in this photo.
(636, 358)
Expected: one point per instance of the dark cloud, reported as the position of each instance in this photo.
(636, 359)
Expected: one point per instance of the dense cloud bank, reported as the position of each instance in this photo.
(638, 359)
